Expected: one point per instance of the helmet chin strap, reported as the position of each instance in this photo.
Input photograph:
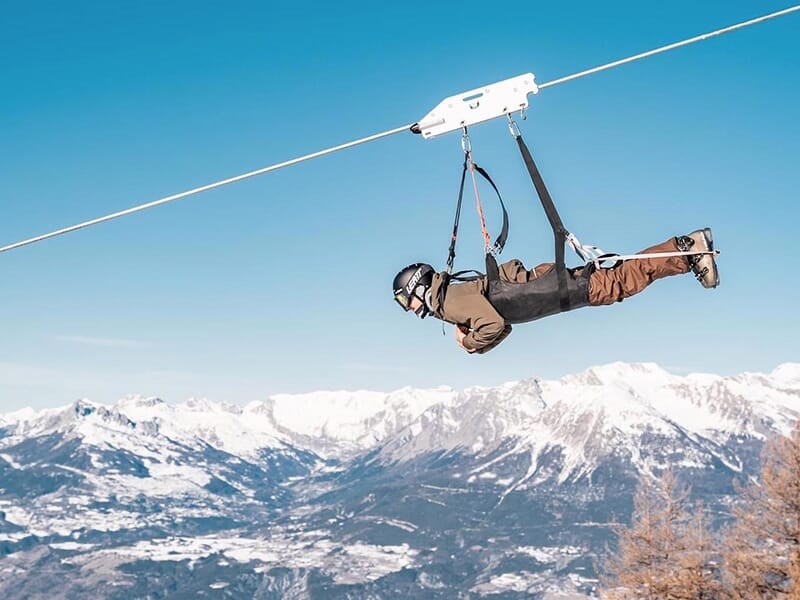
(425, 309)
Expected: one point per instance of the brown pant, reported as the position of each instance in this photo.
(607, 286)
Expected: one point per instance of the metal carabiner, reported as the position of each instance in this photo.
(513, 127)
(466, 143)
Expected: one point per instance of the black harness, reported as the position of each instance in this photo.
(558, 290)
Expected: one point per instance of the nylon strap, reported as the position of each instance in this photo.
(487, 241)
(462, 275)
(499, 243)
(451, 255)
(560, 233)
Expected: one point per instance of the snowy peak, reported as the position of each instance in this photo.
(592, 408)
(606, 409)
(138, 402)
(631, 374)
(345, 422)
(135, 424)
(472, 421)
(787, 373)
(328, 423)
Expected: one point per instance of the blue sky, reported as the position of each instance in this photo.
(281, 283)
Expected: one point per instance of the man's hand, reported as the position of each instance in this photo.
(461, 333)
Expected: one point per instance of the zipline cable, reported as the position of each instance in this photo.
(204, 188)
(698, 38)
(377, 136)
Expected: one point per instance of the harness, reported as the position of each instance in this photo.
(519, 302)
(560, 290)
(491, 249)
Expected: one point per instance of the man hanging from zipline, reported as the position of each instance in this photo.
(484, 307)
(480, 327)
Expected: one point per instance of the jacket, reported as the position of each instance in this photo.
(465, 304)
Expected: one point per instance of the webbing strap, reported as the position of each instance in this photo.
(462, 275)
(560, 233)
(499, 243)
(451, 255)
(487, 241)
(650, 255)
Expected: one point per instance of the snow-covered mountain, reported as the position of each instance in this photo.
(433, 493)
(602, 409)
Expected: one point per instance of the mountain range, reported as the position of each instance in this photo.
(504, 492)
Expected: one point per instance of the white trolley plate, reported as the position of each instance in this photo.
(478, 105)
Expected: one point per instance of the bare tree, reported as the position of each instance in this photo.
(697, 575)
(666, 552)
(634, 565)
(762, 546)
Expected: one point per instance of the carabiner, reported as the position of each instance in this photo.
(466, 143)
(513, 127)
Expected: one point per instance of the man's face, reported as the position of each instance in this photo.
(415, 304)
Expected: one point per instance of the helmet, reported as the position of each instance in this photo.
(413, 282)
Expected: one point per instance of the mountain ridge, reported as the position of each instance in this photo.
(441, 493)
(621, 396)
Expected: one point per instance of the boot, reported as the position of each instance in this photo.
(704, 266)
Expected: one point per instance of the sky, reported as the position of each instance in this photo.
(282, 283)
